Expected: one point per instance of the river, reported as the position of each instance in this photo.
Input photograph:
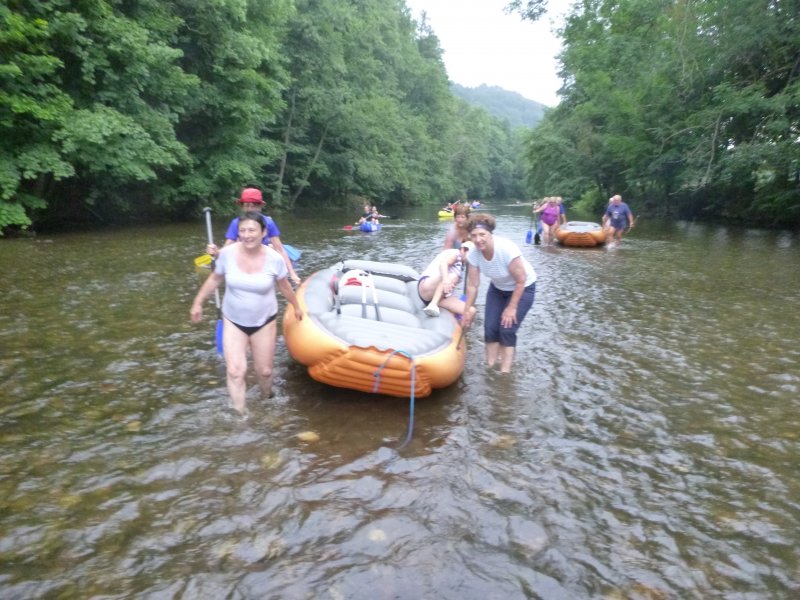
(646, 446)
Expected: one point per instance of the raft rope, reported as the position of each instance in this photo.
(377, 375)
(335, 291)
(374, 296)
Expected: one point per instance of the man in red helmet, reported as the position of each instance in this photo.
(252, 200)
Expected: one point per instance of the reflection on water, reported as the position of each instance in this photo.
(646, 445)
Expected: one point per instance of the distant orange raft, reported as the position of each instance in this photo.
(364, 326)
(581, 233)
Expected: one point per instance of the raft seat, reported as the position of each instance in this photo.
(352, 294)
(386, 336)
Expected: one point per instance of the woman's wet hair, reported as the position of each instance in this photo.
(461, 209)
(252, 215)
(482, 221)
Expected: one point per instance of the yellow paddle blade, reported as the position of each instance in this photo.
(203, 261)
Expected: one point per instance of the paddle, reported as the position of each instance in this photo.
(537, 239)
(347, 227)
(203, 261)
(218, 336)
(293, 253)
(529, 235)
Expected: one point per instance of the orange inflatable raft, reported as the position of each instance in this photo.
(581, 233)
(364, 329)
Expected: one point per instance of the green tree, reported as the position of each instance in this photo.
(32, 107)
(233, 47)
(688, 106)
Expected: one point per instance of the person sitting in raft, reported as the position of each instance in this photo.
(438, 282)
(371, 215)
(251, 272)
(451, 206)
(252, 200)
(377, 214)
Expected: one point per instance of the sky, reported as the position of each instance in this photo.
(483, 45)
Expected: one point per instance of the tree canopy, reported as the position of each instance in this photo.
(689, 107)
(114, 111)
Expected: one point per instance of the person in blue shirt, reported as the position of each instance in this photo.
(251, 199)
(618, 217)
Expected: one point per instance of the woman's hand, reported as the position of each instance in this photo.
(196, 313)
(509, 317)
(212, 249)
(447, 287)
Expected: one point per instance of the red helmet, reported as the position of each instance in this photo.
(251, 195)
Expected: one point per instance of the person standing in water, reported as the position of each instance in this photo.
(550, 217)
(457, 234)
(617, 217)
(511, 292)
(251, 272)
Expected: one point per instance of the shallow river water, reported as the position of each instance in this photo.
(647, 444)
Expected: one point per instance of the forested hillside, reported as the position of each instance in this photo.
(117, 111)
(509, 106)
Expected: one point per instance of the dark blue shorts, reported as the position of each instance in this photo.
(496, 302)
(618, 224)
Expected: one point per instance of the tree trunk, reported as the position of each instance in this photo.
(310, 168)
(278, 193)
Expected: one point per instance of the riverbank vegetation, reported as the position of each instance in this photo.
(118, 111)
(114, 111)
(691, 108)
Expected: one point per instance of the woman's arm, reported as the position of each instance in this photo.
(278, 246)
(449, 238)
(210, 284)
(287, 292)
(445, 263)
(473, 281)
(517, 270)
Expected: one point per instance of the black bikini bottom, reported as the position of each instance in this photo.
(251, 329)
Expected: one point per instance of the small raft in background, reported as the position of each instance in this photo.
(581, 234)
(445, 214)
(364, 329)
(370, 226)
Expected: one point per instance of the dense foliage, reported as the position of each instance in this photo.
(688, 107)
(113, 110)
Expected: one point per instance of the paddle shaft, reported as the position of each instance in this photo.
(529, 235)
(207, 212)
